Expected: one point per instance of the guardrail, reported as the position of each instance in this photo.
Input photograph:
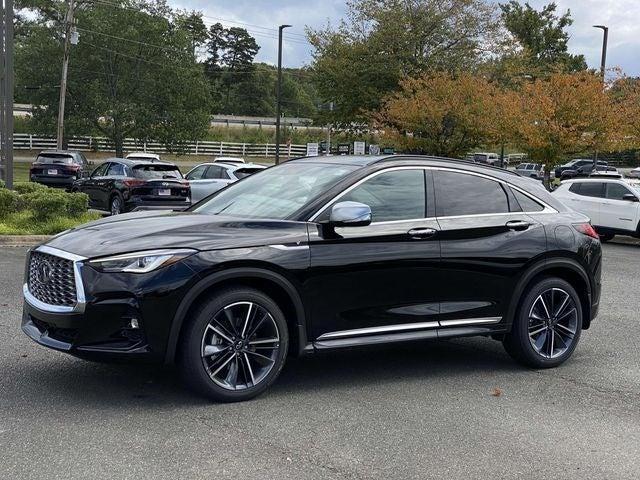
(24, 141)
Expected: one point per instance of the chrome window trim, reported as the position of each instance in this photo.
(408, 326)
(80, 295)
(546, 207)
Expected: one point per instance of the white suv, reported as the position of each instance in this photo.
(613, 205)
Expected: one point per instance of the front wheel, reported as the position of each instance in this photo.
(235, 346)
(547, 326)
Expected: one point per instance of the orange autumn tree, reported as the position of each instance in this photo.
(567, 114)
(626, 92)
(439, 114)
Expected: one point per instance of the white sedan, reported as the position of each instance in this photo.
(612, 204)
(208, 178)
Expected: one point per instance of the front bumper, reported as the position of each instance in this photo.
(116, 316)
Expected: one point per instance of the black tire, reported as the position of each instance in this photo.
(116, 204)
(193, 361)
(520, 344)
(606, 237)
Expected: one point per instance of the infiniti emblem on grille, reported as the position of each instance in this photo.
(43, 273)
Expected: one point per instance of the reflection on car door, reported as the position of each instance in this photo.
(616, 212)
(486, 239)
(380, 279)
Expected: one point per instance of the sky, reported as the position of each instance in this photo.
(262, 17)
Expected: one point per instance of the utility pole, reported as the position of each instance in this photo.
(6, 93)
(279, 94)
(68, 25)
(328, 150)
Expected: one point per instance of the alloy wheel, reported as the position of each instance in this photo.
(116, 206)
(553, 323)
(240, 346)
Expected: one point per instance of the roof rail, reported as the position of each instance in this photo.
(447, 159)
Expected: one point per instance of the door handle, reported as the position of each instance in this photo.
(422, 233)
(517, 225)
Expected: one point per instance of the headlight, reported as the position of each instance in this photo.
(140, 262)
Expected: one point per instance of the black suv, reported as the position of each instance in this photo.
(120, 185)
(59, 168)
(578, 167)
(317, 254)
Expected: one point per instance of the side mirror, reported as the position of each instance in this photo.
(630, 197)
(350, 214)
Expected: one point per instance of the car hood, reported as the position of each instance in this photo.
(152, 230)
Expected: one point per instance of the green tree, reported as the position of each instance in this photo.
(133, 73)
(383, 41)
(542, 39)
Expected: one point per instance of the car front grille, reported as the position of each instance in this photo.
(51, 279)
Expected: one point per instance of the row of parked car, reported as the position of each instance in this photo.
(141, 181)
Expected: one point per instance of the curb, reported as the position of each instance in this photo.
(22, 240)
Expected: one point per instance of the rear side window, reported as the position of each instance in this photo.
(463, 194)
(395, 195)
(116, 169)
(216, 172)
(589, 189)
(526, 203)
(615, 191)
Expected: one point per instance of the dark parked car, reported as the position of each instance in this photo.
(59, 168)
(121, 185)
(316, 254)
(578, 168)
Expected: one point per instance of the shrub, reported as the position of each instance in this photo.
(29, 187)
(46, 204)
(77, 204)
(2, 184)
(9, 202)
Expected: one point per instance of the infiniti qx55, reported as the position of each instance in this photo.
(317, 254)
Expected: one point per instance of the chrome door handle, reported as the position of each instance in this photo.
(422, 233)
(517, 225)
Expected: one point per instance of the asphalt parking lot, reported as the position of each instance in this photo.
(455, 409)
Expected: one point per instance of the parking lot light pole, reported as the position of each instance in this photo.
(603, 67)
(605, 38)
(279, 94)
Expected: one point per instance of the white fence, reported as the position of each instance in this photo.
(24, 141)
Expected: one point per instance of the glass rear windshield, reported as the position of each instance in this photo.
(245, 172)
(55, 158)
(150, 172)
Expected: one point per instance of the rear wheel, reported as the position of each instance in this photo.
(547, 326)
(235, 346)
(116, 205)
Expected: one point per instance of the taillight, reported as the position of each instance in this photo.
(586, 229)
(32, 167)
(73, 168)
(132, 182)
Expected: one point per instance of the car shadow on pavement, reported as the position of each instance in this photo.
(105, 386)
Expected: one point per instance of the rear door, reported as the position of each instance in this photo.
(616, 212)
(379, 279)
(586, 197)
(487, 240)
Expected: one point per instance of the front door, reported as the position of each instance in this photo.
(618, 213)
(380, 279)
(488, 233)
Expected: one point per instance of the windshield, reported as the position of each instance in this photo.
(150, 172)
(53, 158)
(276, 193)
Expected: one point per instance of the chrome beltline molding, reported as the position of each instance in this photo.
(408, 326)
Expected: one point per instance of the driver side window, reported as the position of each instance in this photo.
(100, 171)
(394, 195)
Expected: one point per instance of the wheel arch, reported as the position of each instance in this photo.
(565, 268)
(283, 292)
